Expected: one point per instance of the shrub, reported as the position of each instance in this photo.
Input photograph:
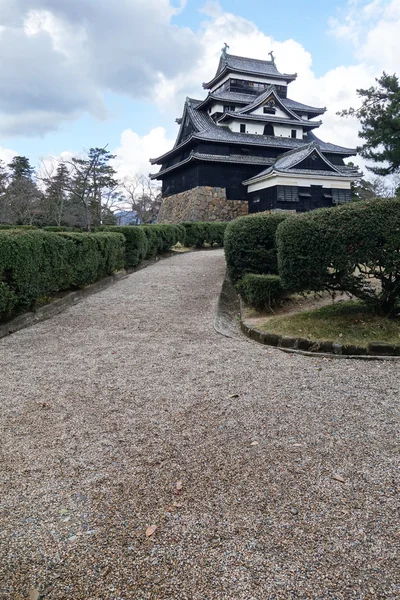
(23, 227)
(215, 233)
(57, 229)
(261, 290)
(345, 248)
(34, 264)
(94, 255)
(161, 238)
(136, 244)
(250, 245)
(198, 233)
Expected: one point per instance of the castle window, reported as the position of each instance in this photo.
(242, 128)
(341, 196)
(294, 134)
(288, 193)
(269, 129)
(268, 110)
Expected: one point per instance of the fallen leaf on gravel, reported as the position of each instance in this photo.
(338, 478)
(297, 445)
(177, 505)
(34, 594)
(179, 485)
(151, 530)
(233, 396)
(254, 443)
(64, 512)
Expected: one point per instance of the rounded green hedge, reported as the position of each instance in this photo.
(350, 248)
(261, 291)
(250, 245)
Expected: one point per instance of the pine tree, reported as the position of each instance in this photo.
(379, 116)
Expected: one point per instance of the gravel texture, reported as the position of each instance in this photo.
(287, 463)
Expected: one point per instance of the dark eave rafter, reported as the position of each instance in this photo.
(219, 158)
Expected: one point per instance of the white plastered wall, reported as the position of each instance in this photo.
(300, 181)
(258, 128)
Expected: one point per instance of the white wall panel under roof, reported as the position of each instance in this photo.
(300, 181)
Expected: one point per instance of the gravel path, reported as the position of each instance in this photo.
(287, 463)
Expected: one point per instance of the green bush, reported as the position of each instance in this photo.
(136, 244)
(34, 264)
(161, 238)
(95, 255)
(198, 233)
(23, 227)
(215, 233)
(250, 245)
(58, 229)
(351, 248)
(261, 291)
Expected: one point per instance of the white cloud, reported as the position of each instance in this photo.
(68, 55)
(134, 151)
(6, 155)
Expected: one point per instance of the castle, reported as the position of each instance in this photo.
(247, 147)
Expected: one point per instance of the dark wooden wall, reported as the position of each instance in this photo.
(314, 197)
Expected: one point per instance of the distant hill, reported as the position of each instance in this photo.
(126, 217)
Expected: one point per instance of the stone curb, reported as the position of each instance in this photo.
(71, 298)
(293, 345)
(376, 351)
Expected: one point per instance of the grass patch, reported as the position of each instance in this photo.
(347, 323)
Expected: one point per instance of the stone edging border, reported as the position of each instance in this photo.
(54, 308)
(293, 345)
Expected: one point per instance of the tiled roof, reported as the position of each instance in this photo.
(226, 96)
(250, 66)
(286, 163)
(207, 129)
(230, 158)
(256, 66)
(294, 105)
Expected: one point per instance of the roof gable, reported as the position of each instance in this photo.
(308, 157)
(269, 96)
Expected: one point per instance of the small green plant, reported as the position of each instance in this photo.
(261, 291)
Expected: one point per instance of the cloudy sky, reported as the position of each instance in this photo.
(81, 73)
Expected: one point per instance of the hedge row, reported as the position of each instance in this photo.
(198, 233)
(35, 264)
(250, 245)
(147, 241)
(352, 248)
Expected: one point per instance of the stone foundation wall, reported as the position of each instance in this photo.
(201, 204)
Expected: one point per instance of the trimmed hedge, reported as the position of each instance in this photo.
(146, 241)
(23, 227)
(198, 233)
(34, 264)
(58, 229)
(161, 238)
(250, 245)
(345, 248)
(261, 291)
(136, 244)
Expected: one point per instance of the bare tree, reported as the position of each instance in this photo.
(143, 197)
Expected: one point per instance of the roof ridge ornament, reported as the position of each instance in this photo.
(271, 54)
(225, 50)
